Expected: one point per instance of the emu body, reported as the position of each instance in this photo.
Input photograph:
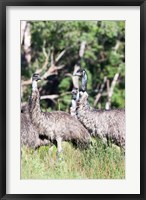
(58, 125)
(105, 124)
(29, 134)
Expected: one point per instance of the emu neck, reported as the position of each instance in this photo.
(75, 100)
(34, 85)
(83, 104)
(34, 104)
(78, 96)
(73, 104)
(84, 82)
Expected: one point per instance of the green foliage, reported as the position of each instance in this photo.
(96, 162)
(104, 56)
(64, 86)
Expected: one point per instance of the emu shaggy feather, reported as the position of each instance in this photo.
(105, 124)
(29, 134)
(57, 125)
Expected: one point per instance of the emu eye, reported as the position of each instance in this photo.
(78, 71)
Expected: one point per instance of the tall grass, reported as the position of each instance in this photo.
(97, 162)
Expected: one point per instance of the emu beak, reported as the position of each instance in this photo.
(39, 78)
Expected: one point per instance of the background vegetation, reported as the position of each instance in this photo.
(54, 49)
(97, 162)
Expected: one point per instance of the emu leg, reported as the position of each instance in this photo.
(59, 147)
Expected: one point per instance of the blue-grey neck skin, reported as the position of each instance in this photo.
(78, 96)
(34, 85)
(75, 99)
(73, 104)
(84, 81)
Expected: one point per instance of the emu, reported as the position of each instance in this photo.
(29, 134)
(105, 124)
(58, 126)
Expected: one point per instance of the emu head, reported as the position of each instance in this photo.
(75, 94)
(82, 73)
(36, 77)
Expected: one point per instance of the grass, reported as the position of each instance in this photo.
(96, 162)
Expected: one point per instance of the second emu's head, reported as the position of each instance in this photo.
(82, 73)
(75, 94)
(36, 77)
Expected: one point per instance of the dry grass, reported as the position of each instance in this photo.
(96, 162)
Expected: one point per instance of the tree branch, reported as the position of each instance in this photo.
(100, 91)
(59, 56)
(75, 79)
(52, 96)
(82, 49)
(110, 91)
(52, 70)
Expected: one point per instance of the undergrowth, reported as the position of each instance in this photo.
(96, 162)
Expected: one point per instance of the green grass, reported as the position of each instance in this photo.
(96, 162)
